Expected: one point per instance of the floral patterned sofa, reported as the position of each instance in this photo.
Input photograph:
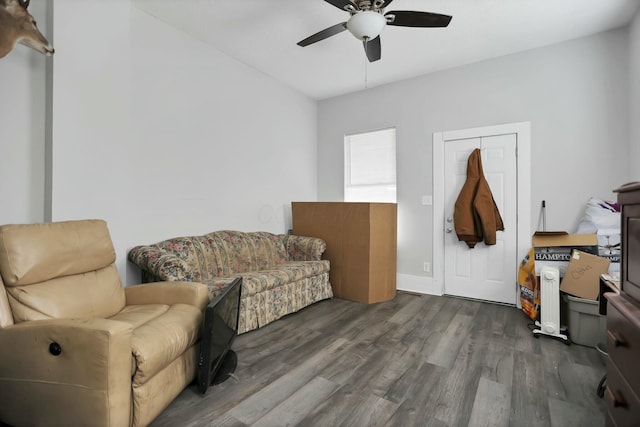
(281, 274)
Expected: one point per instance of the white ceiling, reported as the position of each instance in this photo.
(263, 34)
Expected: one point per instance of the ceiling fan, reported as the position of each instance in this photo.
(368, 19)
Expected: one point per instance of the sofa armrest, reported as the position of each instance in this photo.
(303, 248)
(160, 263)
(192, 293)
(89, 380)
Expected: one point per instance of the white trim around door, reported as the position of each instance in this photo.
(523, 131)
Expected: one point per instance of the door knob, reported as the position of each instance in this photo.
(450, 219)
(448, 229)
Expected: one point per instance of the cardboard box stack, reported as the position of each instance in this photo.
(576, 257)
(555, 249)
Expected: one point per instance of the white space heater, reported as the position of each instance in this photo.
(549, 304)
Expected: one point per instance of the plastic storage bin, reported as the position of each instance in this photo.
(586, 326)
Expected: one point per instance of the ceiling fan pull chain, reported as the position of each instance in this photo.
(366, 62)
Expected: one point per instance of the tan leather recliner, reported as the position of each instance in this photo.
(76, 348)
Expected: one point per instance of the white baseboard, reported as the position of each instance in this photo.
(417, 284)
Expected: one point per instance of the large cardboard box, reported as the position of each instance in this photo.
(582, 278)
(361, 245)
(555, 249)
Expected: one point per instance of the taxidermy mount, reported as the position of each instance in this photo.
(18, 26)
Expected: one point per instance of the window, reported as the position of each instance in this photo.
(370, 167)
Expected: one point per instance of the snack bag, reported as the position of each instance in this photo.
(529, 287)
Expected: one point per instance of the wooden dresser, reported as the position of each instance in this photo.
(623, 320)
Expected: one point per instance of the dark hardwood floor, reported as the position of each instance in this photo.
(414, 361)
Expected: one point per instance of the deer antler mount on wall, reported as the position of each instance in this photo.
(18, 26)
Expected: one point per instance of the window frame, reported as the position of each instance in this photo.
(348, 140)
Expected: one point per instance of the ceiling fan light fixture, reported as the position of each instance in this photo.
(366, 25)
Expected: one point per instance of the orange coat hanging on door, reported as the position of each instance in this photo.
(476, 216)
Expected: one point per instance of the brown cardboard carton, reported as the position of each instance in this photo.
(361, 245)
(555, 249)
(582, 278)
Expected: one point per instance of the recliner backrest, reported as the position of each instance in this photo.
(60, 270)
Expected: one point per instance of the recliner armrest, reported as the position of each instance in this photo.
(192, 293)
(87, 377)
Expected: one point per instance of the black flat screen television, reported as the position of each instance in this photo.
(219, 328)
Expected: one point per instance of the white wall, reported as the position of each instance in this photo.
(135, 94)
(162, 135)
(634, 92)
(574, 94)
(22, 130)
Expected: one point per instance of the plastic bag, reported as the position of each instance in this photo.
(599, 214)
(603, 218)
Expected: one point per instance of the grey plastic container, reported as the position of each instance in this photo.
(586, 326)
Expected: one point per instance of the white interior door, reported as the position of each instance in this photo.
(484, 272)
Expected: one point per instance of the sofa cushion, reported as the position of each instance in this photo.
(297, 270)
(254, 282)
(237, 252)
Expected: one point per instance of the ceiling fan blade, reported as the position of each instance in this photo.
(342, 4)
(321, 35)
(410, 18)
(373, 49)
(386, 3)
